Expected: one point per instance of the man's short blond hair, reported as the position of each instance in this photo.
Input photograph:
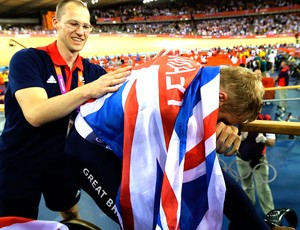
(245, 92)
(61, 5)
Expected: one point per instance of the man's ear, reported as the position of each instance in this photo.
(55, 22)
(223, 96)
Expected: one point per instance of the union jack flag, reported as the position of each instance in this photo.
(162, 124)
(21, 223)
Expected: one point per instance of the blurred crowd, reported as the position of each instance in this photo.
(169, 8)
(252, 24)
(211, 26)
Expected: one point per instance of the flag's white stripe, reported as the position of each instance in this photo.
(82, 127)
(174, 170)
(210, 102)
(37, 225)
(195, 129)
(210, 144)
(163, 217)
(94, 106)
(158, 227)
(146, 145)
(216, 191)
(194, 173)
(172, 167)
(210, 96)
(131, 79)
(214, 215)
(210, 221)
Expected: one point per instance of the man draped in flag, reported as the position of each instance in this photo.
(161, 124)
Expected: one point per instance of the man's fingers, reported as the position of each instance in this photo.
(233, 150)
(119, 73)
(164, 52)
(160, 53)
(229, 146)
(121, 70)
(169, 52)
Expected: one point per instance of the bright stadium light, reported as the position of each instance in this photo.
(148, 1)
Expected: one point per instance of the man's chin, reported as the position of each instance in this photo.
(76, 49)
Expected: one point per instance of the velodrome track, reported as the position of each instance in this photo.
(101, 45)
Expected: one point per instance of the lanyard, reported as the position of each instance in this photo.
(67, 87)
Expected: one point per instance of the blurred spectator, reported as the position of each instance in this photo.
(282, 80)
(253, 166)
(271, 59)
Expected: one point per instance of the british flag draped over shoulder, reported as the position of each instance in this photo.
(162, 124)
(22, 223)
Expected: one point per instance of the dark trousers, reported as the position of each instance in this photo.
(239, 209)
